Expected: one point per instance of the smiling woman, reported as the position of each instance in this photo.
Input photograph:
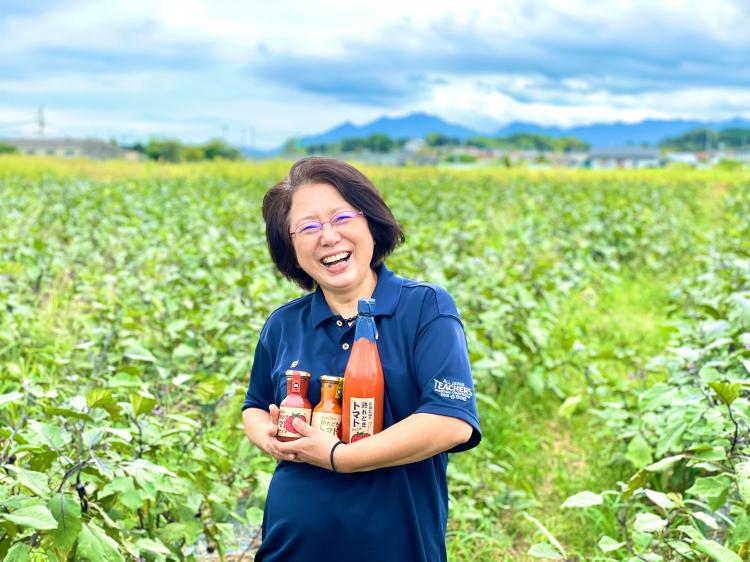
(328, 229)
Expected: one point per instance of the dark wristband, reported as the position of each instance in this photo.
(333, 466)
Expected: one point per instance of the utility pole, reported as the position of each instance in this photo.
(40, 120)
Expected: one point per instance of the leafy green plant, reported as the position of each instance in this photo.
(131, 297)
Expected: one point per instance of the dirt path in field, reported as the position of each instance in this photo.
(630, 315)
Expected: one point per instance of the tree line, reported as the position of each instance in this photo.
(382, 143)
(170, 150)
(698, 140)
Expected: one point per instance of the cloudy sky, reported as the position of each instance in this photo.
(257, 73)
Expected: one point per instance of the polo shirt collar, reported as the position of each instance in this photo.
(386, 295)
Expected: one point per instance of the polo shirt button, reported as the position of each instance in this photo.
(339, 323)
(345, 346)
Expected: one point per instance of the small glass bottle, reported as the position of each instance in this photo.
(295, 405)
(326, 415)
(362, 403)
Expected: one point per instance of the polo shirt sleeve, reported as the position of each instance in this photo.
(442, 366)
(260, 391)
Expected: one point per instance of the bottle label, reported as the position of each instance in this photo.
(286, 418)
(361, 418)
(328, 422)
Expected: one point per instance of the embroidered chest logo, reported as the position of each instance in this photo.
(455, 390)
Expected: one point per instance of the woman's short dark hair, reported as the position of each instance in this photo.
(353, 186)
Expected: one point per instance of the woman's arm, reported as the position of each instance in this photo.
(413, 439)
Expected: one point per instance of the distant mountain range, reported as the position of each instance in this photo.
(419, 125)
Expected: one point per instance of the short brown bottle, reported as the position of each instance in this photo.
(326, 415)
(295, 405)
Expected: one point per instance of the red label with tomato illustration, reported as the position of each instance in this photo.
(286, 420)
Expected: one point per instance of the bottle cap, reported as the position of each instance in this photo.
(302, 374)
(366, 307)
(329, 378)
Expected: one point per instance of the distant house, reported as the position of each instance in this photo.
(686, 158)
(68, 148)
(415, 145)
(624, 157)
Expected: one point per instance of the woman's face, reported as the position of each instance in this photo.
(337, 258)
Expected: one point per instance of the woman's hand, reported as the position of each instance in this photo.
(262, 428)
(272, 443)
(314, 447)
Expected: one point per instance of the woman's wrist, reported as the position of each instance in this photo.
(332, 454)
(344, 459)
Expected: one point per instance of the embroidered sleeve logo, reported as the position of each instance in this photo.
(454, 390)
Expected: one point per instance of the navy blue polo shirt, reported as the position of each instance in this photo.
(395, 514)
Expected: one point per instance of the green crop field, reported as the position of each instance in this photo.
(608, 319)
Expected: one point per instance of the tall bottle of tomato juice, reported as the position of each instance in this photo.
(295, 405)
(362, 404)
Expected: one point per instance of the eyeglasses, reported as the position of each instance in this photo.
(311, 228)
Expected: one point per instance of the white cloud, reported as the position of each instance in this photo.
(194, 68)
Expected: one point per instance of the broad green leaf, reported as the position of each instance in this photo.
(583, 499)
(639, 452)
(91, 437)
(37, 482)
(19, 552)
(254, 516)
(544, 550)
(210, 390)
(95, 545)
(709, 375)
(138, 353)
(660, 499)
(143, 402)
(68, 413)
(34, 516)
(183, 351)
(712, 488)
(608, 544)
(635, 482)
(67, 513)
(706, 519)
(569, 407)
(742, 471)
(740, 312)
(648, 523)
(189, 531)
(120, 432)
(127, 493)
(53, 436)
(681, 547)
(709, 453)
(150, 545)
(665, 463)
(181, 379)
(716, 552)
(10, 398)
(740, 533)
(672, 439)
(647, 557)
(104, 399)
(726, 392)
